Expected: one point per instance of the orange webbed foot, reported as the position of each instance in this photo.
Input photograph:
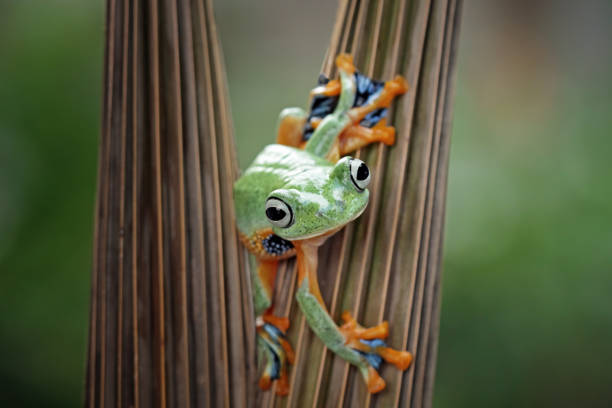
(400, 359)
(369, 343)
(385, 134)
(397, 86)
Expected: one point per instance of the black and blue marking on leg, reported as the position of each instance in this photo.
(272, 369)
(274, 349)
(373, 357)
(278, 354)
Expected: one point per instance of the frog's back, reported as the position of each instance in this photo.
(275, 167)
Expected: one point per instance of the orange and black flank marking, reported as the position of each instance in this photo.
(268, 246)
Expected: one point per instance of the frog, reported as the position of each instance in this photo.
(299, 192)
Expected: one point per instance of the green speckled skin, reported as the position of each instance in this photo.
(320, 193)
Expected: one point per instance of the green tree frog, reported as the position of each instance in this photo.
(296, 194)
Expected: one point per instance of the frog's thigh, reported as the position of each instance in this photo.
(266, 272)
(355, 137)
(290, 127)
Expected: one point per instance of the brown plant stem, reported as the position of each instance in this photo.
(386, 266)
(170, 317)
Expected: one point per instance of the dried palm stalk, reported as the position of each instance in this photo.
(387, 264)
(170, 319)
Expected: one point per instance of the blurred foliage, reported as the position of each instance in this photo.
(50, 92)
(527, 311)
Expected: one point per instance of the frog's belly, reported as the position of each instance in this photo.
(267, 246)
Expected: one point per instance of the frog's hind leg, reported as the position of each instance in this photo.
(271, 330)
(324, 99)
(362, 103)
(367, 117)
(269, 249)
(362, 347)
(332, 111)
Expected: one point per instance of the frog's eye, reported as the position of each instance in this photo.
(279, 213)
(360, 174)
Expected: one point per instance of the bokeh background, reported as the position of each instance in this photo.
(527, 295)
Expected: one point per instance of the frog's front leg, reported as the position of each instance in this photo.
(362, 347)
(271, 329)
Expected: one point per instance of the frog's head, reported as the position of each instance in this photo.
(319, 201)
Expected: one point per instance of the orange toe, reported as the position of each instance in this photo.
(282, 385)
(385, 135)
(375, 381)
(400, 359)
(265, 382)
(348, 318)
(400, 85)
(377, 332)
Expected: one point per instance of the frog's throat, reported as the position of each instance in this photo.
(328, 232)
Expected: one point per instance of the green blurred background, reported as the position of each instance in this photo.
(527, 298)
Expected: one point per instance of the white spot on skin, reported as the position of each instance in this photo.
(316, 198)
(337, 194)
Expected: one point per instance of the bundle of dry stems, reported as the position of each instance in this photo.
(171, 319)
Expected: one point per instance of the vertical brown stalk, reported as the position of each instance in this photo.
(386, 266)
(169, 321)
(171, 314)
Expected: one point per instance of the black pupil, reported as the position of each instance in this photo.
(362, 172)
(275, 214)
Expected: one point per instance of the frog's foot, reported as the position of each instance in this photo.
(369, 343)
(375, 106)
(356, 136)
(272, 331)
